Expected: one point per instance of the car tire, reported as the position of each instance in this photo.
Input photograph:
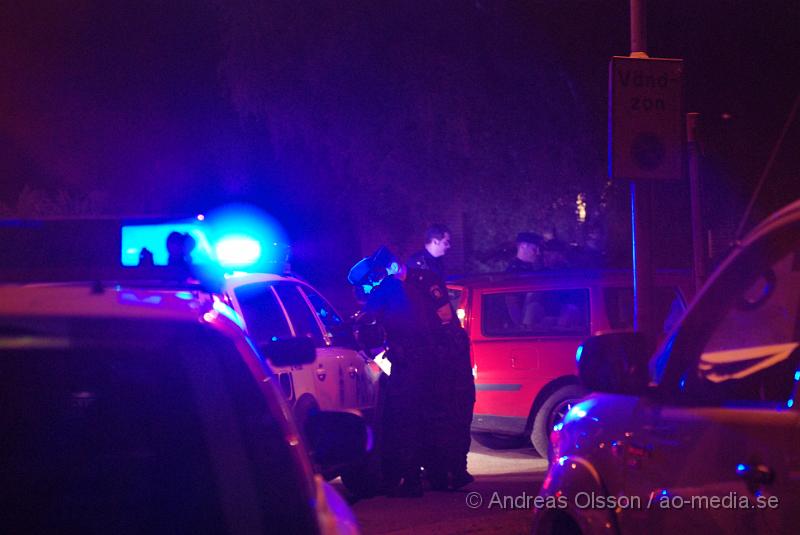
(495, 441)
(364, 479)
(305, 407)
(553, 409)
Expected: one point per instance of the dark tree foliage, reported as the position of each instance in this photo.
(392, 115)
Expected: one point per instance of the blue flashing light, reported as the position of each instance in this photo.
(790, 403)
(740, 468)
(664, 492)
(683, 383)
(797, 375)
(233, 237)
(237, 251)
(186, 296)
(578, 354)
(558, 427)
(562, 460)
(579, 411)
(246, 238)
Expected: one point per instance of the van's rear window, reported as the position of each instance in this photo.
(619, 307)
(538, 313)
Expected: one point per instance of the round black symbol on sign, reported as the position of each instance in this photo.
(647, 150)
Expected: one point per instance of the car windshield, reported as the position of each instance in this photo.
(127, 426)
(752, 354)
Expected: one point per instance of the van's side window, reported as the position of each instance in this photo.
(542, 313)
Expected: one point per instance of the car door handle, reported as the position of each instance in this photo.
(755, 475)
(321, 373)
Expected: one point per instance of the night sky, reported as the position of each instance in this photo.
(372, 118)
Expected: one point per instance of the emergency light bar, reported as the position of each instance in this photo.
(108, 249)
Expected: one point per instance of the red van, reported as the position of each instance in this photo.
(525, 330)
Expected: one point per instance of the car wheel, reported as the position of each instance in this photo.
(305, 407)
(364, 479)
(552, 411)
(499, 442)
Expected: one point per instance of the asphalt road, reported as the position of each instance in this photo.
(500, 476)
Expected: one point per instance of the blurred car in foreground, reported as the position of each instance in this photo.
(525, 328)
(129, 410)
(703, 436)
(222, 265)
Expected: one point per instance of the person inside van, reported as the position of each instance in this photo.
(529, 253)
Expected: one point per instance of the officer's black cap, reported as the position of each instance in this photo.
(372, 268)
(359, 273)
(383, 257)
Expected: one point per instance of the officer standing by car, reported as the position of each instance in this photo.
(402, 393)
(437, 242)
(451, 387)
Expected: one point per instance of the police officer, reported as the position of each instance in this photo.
(401, 403)
(529, 253)
(450, 387)
(437, 242)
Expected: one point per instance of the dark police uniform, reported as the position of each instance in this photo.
(426, 261)
(401, 421)
(520, 266)
(449, 386)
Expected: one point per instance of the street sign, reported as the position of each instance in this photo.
(645, 118)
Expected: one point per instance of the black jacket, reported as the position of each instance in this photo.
(425, 260)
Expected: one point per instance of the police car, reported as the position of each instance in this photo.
(223, 258)
(278, 306)
(242, 257)
(128, 409)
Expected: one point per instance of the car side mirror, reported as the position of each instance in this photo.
(615, 363)
(337, 439)
(290, 351)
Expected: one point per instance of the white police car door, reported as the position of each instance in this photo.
(359, 390)
(328, 382)
(265, 320)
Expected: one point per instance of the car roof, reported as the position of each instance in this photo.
(784, 216)
(565, 277)
(241, 279)
(94, 300)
